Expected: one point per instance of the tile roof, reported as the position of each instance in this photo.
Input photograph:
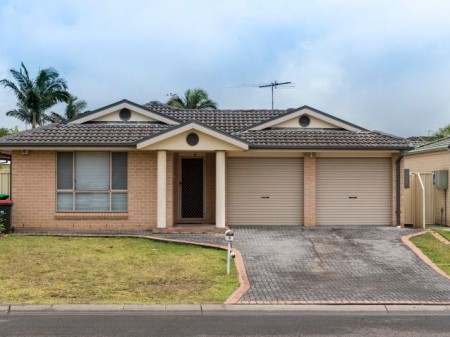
(322, 139)
(433, 146)
(231, 122)
(89, 134)
(225, 120)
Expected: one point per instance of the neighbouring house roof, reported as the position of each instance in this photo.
(433, 146)
(417, 141)
(421, 138)
(234, 125)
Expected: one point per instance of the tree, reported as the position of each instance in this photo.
(35, 96)
(26, 115)
(193, 99)
(74, 107)
(442, 132)
(7, 131)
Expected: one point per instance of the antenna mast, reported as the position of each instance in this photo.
(273, 85)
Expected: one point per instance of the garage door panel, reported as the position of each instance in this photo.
(353, 191)
(265, 191)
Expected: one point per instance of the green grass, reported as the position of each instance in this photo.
(445, 234)
(49, 270)
(435, 250)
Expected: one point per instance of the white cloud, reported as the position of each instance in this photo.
(382, 64)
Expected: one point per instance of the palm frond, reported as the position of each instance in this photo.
(176, 102)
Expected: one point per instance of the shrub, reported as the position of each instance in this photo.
(2, 225)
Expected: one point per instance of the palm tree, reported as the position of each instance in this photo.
(35, 96)
(74, 107)
(193, 99)
(26, 115)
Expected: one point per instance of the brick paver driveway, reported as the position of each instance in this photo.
(336, 264)
(346, 264)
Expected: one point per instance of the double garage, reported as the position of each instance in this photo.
(270, 191)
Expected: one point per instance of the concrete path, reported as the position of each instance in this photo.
(290, 264)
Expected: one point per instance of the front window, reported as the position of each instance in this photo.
(92, 182)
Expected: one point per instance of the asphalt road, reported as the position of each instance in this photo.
(224, 324)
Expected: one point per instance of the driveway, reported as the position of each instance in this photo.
(341, 264)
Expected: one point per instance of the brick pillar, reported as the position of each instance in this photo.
(220, 189)
(309, 186)
(169, 188)
(161, 174)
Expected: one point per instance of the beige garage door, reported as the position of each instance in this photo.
(353, 191)
(265, 191)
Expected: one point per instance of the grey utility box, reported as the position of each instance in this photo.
(440, 179)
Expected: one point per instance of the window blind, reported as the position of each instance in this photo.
(92, 171)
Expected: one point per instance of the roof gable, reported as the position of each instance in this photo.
(110, 113)
(318, 119)
(209, 139)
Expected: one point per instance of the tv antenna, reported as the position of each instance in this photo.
(272, 85)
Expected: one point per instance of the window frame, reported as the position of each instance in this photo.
(74, 191)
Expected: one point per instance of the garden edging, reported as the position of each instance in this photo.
(420, 254)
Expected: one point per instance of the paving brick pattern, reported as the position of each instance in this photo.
(341, 264)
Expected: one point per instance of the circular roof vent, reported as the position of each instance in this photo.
(125, 114)
(304, 121)
(192, 139)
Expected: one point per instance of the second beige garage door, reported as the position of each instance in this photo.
(353, 191)
(265, 191)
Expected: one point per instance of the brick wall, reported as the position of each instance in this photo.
(426, 163)
(34, 194)
(309, 186)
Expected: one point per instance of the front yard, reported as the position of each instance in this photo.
(50, 270)
(435, 250)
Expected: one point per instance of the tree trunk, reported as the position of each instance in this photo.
(33, 122)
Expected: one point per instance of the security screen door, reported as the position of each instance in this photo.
(192, 188)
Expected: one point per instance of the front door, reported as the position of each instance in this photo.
(191, 189)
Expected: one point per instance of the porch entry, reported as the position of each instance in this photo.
(192, 189)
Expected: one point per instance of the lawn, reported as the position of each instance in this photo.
(434, 249)
(445, 234)
(49, 270)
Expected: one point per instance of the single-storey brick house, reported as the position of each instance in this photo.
(131, 166)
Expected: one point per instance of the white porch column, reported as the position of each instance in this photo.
(220, 189)
(161, 163)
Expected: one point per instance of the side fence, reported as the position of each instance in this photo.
(4, 181)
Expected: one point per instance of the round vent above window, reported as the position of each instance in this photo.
(125, 114)
(304, 121)
(192, 139)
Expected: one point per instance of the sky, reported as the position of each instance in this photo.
(383, 65)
